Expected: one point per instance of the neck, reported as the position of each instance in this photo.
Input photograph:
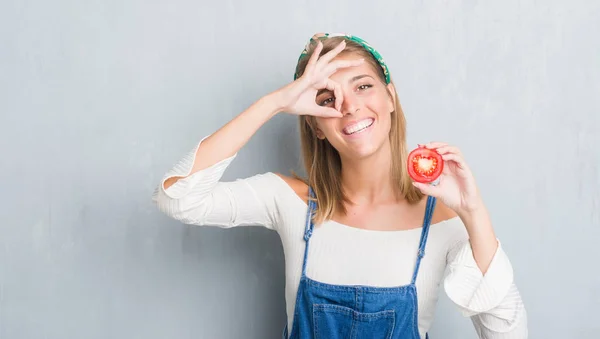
(368, 181)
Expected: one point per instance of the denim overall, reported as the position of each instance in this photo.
(325, 311)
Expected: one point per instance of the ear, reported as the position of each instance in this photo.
(320, 134)
(392, 92)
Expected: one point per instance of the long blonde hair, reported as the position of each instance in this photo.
(322, 161)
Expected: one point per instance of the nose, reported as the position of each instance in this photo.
(350, 105)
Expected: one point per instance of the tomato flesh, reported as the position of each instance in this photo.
(424, 165)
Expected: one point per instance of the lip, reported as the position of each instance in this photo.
(362, 132)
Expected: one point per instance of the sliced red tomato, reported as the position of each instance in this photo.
(424, 165)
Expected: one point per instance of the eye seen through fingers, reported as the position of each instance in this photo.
(327, 98)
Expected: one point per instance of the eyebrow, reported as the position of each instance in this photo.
(358, 77)
(353, 79)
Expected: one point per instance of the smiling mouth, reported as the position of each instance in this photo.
(358, 127)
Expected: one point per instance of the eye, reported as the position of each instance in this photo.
(364, 87)
(327, 101)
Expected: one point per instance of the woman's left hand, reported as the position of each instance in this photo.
(456, 188)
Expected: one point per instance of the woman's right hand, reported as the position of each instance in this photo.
(299, 97)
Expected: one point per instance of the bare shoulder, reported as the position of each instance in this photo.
(442, 212)
(297, 185)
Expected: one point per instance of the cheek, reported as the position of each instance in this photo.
(388, 105)
(380, 102)
(385, 122)
(326, 126)
(384, 116)
(382, 108)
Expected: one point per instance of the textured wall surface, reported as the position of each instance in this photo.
(99, 98)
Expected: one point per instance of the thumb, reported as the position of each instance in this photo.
(328, 112)
(427, 189)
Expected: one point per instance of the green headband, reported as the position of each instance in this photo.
(356, 39)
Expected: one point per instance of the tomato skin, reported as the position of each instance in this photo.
(424, 165)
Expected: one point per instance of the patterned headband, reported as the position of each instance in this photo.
(356, 39)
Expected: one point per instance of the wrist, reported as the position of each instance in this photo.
(281, 98)
(474, 215)
(272, 103)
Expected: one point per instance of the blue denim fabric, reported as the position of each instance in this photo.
(356, 312)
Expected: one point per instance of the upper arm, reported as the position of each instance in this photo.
(250, 201)
(203, 198)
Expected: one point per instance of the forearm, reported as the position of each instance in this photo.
(230, 138)
(481, 236)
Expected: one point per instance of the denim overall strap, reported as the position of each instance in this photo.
(312, 205)
(308, 229)
(424, 233)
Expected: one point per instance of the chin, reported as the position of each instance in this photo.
(362, 151)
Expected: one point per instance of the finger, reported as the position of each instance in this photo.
(427, 189)
(433, 144)
(448, 149)
(325, 59)
(337, 93)
(457, 159)
(327, 112)
(334, 66)
(314, 57)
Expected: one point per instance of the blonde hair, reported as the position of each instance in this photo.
(322, 161)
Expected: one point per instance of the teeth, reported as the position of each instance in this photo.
(358, 126)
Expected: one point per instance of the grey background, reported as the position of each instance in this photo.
(99, 98)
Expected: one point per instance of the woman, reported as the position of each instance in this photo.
(365, 273)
